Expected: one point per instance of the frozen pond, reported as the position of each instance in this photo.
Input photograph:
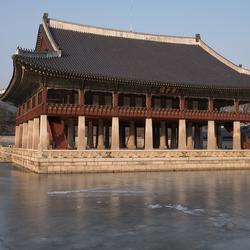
(158, 210)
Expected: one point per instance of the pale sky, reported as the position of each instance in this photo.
(223, 24)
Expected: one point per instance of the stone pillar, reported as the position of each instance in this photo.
(90, 143)
(236, 136)
(190, 136)
(96, 135)
(201, 138)
(216, 136)
(197, 137)
(107, 136)
(81, 133)
(17, 137)
(136, 137)
(182, 134)
(148, 134)
(25, 135)
(173, 136)
(122, 136)
(30, 133)
(101, 135)
(115, 133)
(219, 136)
(43, 132)
(156, 140)
(20, 135)
(35, 139)
(71, 133)
(163, 135)
(211, 142)
(131, 142)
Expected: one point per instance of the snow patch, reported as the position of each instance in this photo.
(153, 206)
(178, 207)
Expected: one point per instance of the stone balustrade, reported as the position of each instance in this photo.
(142, 153)
(81, 161)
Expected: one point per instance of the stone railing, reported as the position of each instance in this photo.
(26, 152)
(142, 153)
(6, 149)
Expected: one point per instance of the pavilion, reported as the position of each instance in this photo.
(81, 79)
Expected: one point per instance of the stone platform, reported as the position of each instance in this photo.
(82, 161)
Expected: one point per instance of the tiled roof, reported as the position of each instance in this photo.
(138, 60)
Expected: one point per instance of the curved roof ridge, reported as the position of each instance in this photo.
(223, 59)
(49, 36)
(53, 23)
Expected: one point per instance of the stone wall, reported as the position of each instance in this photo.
(76, 161)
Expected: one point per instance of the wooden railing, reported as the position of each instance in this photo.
(124, 111)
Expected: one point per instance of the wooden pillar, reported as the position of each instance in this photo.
(236, 136)
(101, 135)
(35, 139)
(149, 101)
(81, 133)
(182, 134)
(236, 105)
(148, 134)
(44, 99)
(182, 103)
(211, 103)
(163, 135)
(43, 132)
(115, 103)
(115, 133)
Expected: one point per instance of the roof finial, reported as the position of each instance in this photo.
(45, 16)
(198, 37)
